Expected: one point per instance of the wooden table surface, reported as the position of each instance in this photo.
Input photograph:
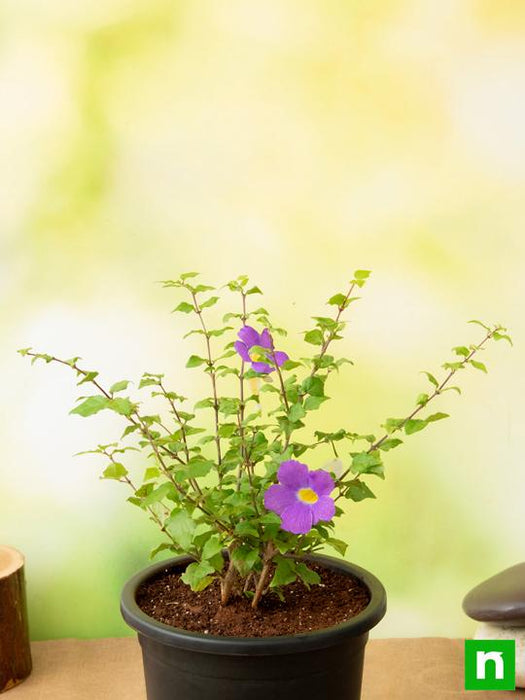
(111, 669)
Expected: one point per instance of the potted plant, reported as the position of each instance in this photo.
(248, 608)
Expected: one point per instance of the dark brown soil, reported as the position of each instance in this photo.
(337, 598)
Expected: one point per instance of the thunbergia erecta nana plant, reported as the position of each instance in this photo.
(248, 497)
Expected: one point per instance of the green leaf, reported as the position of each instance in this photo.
(206, 439)
(325, 323)
(357, 491)
(43, 356)
(209, 302)
(197, 575)
(365, 463)
(118, 386)
(254, 290)
(284, 572)
(188, 275)
(229, 406)
(184, 307)
(478, 365)
(87, 377)
(337, 300)
(182, 526)
(205, 403)
(91, 405)
(198, 467)
(115, 470)
(157, 494)
(453, 365)
(217, 332)
(360, 277)
(461, 350)
(392, 424)
(244, 528)
(130, 429)
(338, 545)
(314, 337)
(290, 364)
(313, 386)
(190, 430)
(150, 380)
(436, 416)
(479, 323)
(431, 379)
(422, 399)
(245, 558)
(451, 388)
(151, 473)
(307, 576)
(212, 547)
(414, 425)
(122, 406)
(296, 413)
(226, 430)
(502, 336)
(270, 518)
(313, 402)
(195, 361)
(161, 548)
(390, 443)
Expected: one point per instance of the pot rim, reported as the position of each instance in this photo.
(358, 625)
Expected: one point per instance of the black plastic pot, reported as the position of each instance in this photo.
(325, 664)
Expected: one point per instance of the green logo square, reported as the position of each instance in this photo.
(490, 664)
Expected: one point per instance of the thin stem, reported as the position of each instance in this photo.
(281, 382)
(331, 335)
(228, 581)
(244, 454)
(437, 391)
(154, 515)
(146, 433)
(213, 376)
(181, 423)
(178, 419)
(167, 473)
(263, 578)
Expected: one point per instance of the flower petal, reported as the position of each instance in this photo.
(280, 358)
(262, 367)
(297, 518)
(265, 339)
(324, 509)
(278, 498)
(321, 482)
(242, 350)
(249, 336)
(293, 474)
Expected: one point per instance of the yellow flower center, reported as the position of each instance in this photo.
(307, 496)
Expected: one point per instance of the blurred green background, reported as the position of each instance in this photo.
(292, 140)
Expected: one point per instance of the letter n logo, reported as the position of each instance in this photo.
(490, 664)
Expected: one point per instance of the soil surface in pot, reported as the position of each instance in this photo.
(337, 598)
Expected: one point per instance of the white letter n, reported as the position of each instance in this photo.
(481, 663)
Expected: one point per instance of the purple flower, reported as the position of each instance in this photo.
(249, 338)
(301, 497)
